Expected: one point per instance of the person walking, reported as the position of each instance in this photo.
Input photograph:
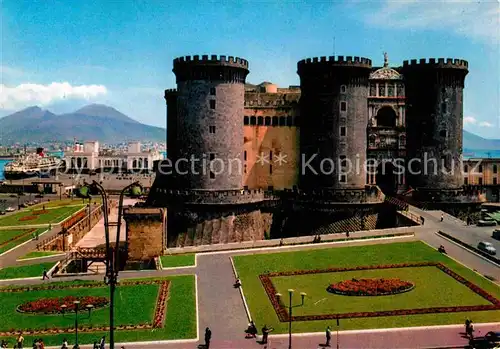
(45, 274)
(20, 341)
(442, 217)
(265, 333)
(102, 343)
(328, 336)
(208, 337)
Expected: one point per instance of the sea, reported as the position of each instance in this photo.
(3, 162)
(468, 154)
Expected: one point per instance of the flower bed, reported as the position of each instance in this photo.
(38, 212)
(27, 218)
(370, 287)
(157, 322)
(54, 305)
(283, 315)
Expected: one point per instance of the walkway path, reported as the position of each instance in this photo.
(96, 237)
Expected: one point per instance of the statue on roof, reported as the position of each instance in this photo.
(386, 59)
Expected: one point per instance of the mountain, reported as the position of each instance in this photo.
(95, 121)
(472, 141)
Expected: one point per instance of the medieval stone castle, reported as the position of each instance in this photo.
(251, 161)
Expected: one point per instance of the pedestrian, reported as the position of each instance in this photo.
(64, 344)
(328, 336)
(347, 234)
(45, 274)
(20, 341)
(102, 343)
(208, 337)
(470, 332)
(41, 344)
(442, 217)
(96, 346)
(265, 333)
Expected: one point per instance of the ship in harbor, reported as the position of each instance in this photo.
(32, 165)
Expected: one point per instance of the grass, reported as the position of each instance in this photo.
(184, 260)
(65, 202)
(134, 304)
(20, 236)
(38, 254)
(24, 271)
(55, 215)
(433, 287)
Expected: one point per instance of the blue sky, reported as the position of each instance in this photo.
(62, 55)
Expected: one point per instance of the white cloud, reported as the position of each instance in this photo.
(476, 19)
(470, 120)
(25, 95)
(485, 124)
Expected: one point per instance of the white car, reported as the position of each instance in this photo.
(487, 247)
(10, 209)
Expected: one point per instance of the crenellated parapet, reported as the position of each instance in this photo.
(170, 93)
(369, 195)
(211, 67)
(436, 63)
(335, 61)
(215, 197)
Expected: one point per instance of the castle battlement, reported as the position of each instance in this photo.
(211, 60)
(216, 196)
(353, 61)
(437, 63)
(171, 92)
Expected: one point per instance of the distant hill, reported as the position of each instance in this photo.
(473, 141)
(95, 121)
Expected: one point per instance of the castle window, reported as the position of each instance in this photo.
(246, 120)
(373, 90)
(282, 121)
(270, 155)
(270, 169)
(390, 90)
(466, 168)
(443, 108)
(211, 129)
(245, 155)
(275, 121)
(245, 169)
(480, 181)
(495, 169)
(343, 179)
(343, 106)
(253, 120)
(212, 175)
(343, 88)
(289, 121)
(480, 168)
(212, 104)
(381, 90)
(343, 161)
(466, 181)
(267, 121)
(212, 91)
(495, 181)
(401, 90)
(211, 156)
(260, 120)
(442, 133)
(342, 131)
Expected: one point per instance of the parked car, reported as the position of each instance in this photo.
(487, 222)
(10, 209)
(490, 340)
(496, 234)
(486, 247)
(2, 213)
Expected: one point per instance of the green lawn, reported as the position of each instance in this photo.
(135, 304)
(184, 260)
(65, 202)
(38, 254)
(25, 271)
(55, 215)
(19, 236)
(432, 286)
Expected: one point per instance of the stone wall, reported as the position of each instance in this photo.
(145, 232)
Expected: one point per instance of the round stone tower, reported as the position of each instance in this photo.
(334, 115)
(209, 131)
(434, 121)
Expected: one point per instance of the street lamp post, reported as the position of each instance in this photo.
(290, 307)
(76, 304)
(112, 251)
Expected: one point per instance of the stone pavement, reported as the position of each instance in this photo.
(95, 236)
